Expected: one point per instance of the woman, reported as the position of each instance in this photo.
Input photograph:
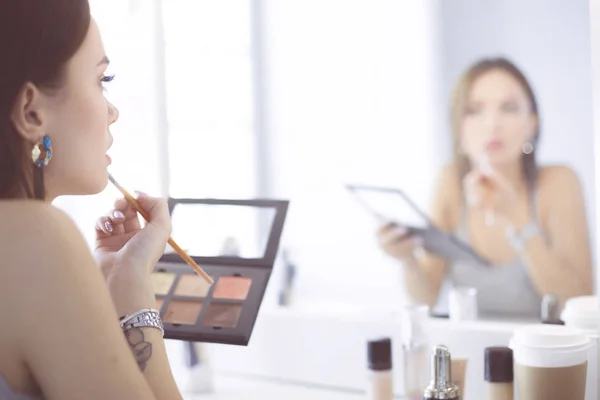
(60, 336)
(528, 221)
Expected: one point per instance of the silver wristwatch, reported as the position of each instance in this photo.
(518, 239)
(143, 318)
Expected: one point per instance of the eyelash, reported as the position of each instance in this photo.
(106, 79)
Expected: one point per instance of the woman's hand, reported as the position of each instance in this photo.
(127, 254)
(490, 192)
(397, 242)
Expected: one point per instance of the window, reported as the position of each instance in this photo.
(351, 95)
(184, 88)
(209, 92)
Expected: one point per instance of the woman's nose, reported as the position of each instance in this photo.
(113, 113)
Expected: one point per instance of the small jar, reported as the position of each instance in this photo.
(499, 376)
(380, 382)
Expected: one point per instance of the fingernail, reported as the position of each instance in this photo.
(118, 214)
(142, 193)
(108, 226)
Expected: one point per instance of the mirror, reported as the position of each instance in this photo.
(296, 101)
(370, 103)
(216, 230)
(499, 37)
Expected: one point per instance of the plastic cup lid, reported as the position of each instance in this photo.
(583, 307)
(549, 336)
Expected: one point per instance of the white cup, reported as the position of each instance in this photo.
(550, 362)
(584, 313)
(462, 304)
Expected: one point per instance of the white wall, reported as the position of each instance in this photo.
(550, 41)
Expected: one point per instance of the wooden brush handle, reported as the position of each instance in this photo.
(132, 200)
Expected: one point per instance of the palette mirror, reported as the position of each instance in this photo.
(209, 230)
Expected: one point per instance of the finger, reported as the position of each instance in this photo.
(386, 227)
(474, 195)
(116, 219)
(120, 204)
(104, 227)
(472, 178)
(418, 249)
(114, 243)
(132, 219)
(484, 165)
(501, 182)
(395, 235)
(158, 212)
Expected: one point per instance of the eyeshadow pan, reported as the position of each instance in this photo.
(232, 287)
(182, 312)
(223, 315)
(161, 282)
(192, 285)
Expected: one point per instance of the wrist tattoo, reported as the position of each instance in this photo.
(142, 350)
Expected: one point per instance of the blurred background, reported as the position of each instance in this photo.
(295, 99)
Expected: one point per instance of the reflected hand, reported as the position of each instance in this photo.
(397, 242)
(490, 192)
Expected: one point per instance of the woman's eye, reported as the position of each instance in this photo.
(106, 79)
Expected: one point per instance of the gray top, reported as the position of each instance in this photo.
(502, 289)
(6, 393)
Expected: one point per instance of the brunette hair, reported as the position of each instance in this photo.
(37, 39)
(460, 100)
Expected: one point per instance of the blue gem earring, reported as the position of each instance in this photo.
(42, 152)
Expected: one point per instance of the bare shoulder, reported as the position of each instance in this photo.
(37, 240)
(34, 226)
(15, 212)
(58, 305)
(559, 190)
(555, 178)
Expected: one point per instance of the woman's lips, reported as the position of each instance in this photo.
(494, 145)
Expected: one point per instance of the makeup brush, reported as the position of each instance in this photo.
(488, 193)
(131, 200)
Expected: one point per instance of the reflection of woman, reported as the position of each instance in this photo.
(61, 337)
(529, 221)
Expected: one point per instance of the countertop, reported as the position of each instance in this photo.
(243, 388)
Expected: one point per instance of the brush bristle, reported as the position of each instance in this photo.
(114, 182)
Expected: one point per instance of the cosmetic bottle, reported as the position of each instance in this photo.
(380, 382)
(551, 310)
(440, 385)
(289, 270)
(498, 364)
(200, 378)
(415, 350)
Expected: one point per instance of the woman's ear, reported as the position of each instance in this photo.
(27, 114)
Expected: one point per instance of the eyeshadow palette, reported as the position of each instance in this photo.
(235, 242)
